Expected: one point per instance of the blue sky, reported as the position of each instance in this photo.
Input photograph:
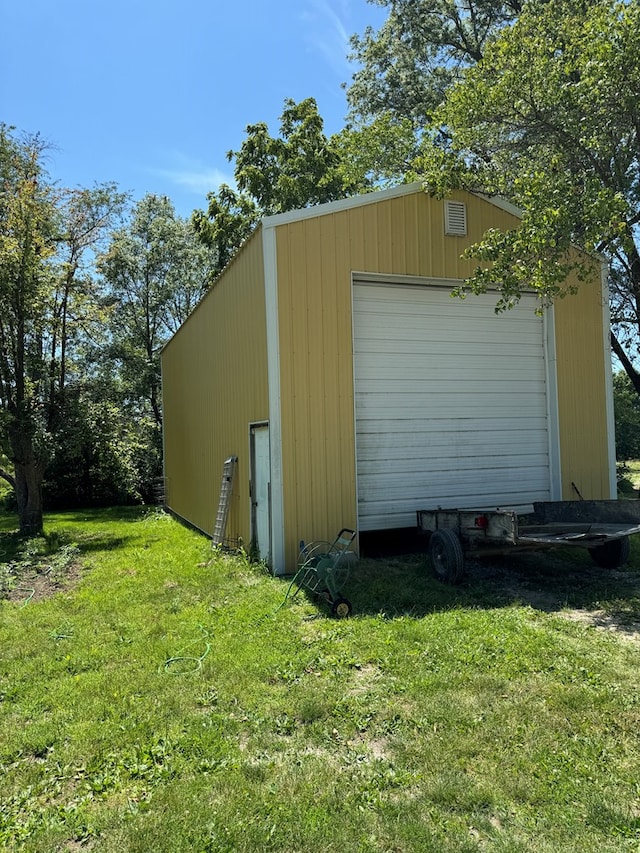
(152, 95)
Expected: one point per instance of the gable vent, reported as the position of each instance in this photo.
(455, 218)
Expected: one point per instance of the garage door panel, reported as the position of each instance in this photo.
(413, 326)
(388, 427)
(437, 482)
(455, 405)
(511, 374)
(413, 330)
(473, 443)
(451, 403)
(457, 465)
(428, 346)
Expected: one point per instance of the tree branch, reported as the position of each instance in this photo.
(629, 369)
(6, 476)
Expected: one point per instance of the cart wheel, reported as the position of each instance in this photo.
(341, 608)
(447, 558)
(612, 554)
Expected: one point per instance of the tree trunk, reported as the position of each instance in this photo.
(626, 363)
(29, 474)
(29, 498)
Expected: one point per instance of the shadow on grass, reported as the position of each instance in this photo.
(100, 515)
(549, 581)
(13, 544)
(10, 544)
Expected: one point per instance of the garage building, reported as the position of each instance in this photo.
(332, 361)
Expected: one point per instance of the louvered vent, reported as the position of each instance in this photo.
(455, 218)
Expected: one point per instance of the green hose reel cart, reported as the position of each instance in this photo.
(324, 568)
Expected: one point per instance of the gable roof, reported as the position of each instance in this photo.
(373, 197)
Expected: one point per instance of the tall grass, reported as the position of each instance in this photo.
(172, 700)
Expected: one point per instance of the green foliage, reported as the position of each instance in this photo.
(93, 458)
(548, 118)
(229, 220)
(407, 66)
(27, 243)
(48, 307)
(627, 414)
(298, 168)
(378, 153)
(155, 272)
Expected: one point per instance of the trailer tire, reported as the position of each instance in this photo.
(612, 554)
(341, 607)
(446, 555)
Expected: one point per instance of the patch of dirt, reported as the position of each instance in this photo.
(36, 586)
(364, 678)
(623, 625)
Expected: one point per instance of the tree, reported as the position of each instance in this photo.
(94, 459)
(379, 153)
(550, 118)
(45, 292)
(86, 216)
(229, 220)
(154, 272)
(28, 228)
(627, 413)
(421, 50)
(298, 168)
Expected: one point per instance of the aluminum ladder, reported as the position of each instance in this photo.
(226, 488)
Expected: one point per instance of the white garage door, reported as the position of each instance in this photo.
(451, 403)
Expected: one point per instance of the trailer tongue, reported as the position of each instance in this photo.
(602, 527)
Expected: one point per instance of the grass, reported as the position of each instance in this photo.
(165, 699)
(629, 479)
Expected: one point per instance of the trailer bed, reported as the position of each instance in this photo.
(603, 527)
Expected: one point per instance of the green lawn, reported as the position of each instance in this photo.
(162, 700)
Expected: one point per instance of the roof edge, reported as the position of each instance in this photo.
(373, 197)
(256, 230)
(341, 204)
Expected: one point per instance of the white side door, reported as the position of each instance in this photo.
(260, 491)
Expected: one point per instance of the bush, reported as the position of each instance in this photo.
(92, 458)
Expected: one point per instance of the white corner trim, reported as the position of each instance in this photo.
(608, 379)
(269, 252)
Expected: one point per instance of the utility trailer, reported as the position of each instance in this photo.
(602, 527)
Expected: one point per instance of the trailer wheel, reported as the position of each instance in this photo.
(612, 554)
(341, 608)
(446, 555)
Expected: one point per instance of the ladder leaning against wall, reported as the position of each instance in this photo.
(225, 499)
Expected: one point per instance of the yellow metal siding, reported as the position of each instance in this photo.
(400, 236)
(214, 385)
(580, 348)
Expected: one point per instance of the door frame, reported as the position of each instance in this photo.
(253, 428)
(547, 341)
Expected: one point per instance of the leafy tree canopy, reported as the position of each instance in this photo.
(408, 65)
(154, 272)
(45, 234)
(550, 118)
(298, 168)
